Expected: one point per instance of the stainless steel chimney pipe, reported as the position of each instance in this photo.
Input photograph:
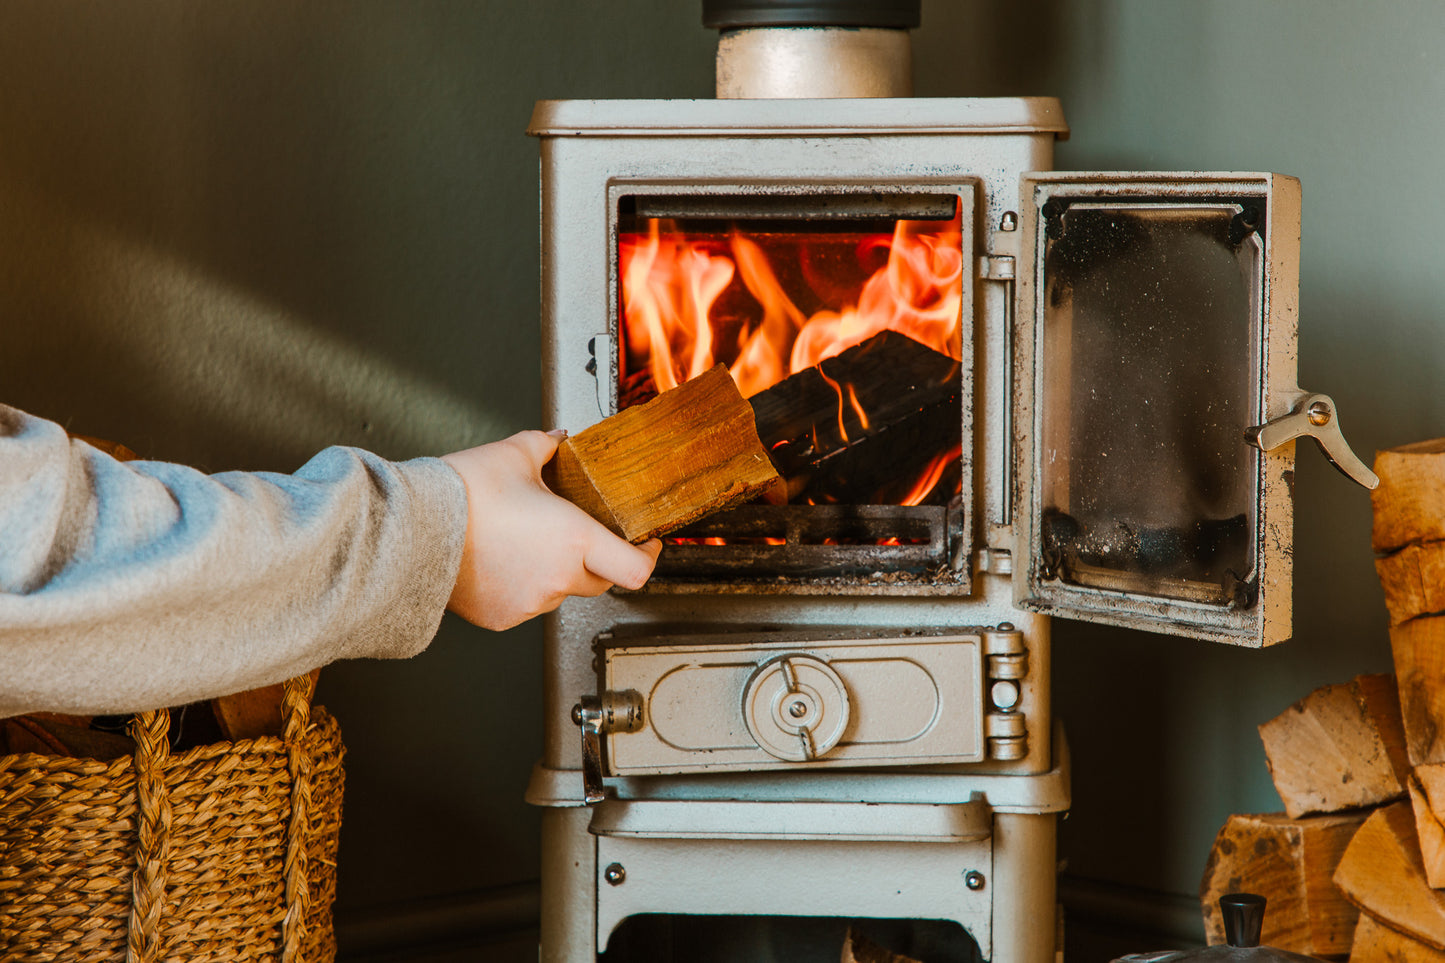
(819, 49)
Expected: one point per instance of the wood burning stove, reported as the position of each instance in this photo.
(1037, 396)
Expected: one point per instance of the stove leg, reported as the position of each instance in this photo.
(569, 873)
(1024, 877)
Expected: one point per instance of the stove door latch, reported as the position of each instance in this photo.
(596, 716)
(1314, 415)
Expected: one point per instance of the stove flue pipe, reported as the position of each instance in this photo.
(822, 48)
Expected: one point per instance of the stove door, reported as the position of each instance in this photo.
(1156, 325)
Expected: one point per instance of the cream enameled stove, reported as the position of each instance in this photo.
(839, 708)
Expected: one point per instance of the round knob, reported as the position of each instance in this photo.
(796, 707)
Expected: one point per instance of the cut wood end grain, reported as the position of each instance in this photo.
(653, 468)
(1383, 875)
(1376, 942)
(1340, 747)
(1409, 505)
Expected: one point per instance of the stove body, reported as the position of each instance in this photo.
(857, 723)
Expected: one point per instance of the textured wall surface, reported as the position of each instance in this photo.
(232, 233)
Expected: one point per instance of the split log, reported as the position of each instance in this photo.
(871, 417)
(1418, 647)
(1414, 581)
(1290, 862)
(1427, 800)
(653, 468)
(1382, 874)
(1409, 505)
(1377, 943)
(1340, 747)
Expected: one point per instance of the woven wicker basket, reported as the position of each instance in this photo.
(222, 852)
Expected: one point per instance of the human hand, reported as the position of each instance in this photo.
(527, 549)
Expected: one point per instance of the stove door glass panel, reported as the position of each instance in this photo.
(1159, 316)
(1149, 379)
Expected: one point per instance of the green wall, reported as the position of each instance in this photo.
(232, 233)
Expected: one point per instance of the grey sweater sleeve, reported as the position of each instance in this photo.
(128, 586)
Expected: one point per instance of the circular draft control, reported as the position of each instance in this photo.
(796, 707)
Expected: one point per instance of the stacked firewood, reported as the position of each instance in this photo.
(1356, 864)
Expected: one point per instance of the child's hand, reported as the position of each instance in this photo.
(527, 549)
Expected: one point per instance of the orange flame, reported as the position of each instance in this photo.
(692, 300)
(671, 284)
(931, 476)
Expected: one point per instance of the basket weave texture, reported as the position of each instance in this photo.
(223, 852)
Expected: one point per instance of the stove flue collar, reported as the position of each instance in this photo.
(742, 14)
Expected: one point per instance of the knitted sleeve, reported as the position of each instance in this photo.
(128, 586)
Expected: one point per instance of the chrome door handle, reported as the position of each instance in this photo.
(1316, 416)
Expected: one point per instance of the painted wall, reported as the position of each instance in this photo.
(233, 233)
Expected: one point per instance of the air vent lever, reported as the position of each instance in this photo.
(1316, 416)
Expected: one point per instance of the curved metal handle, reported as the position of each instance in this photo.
(588, 715)
(1317, 417)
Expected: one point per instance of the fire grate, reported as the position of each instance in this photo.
(763, 542)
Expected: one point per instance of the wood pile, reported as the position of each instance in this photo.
(1356, 863)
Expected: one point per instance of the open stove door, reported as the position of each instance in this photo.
(1155, 336)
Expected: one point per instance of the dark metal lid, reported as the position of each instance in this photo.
(1243, 923)
(736, 14)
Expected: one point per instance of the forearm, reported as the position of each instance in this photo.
(127, 586)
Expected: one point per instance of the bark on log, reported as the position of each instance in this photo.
(1414, 581)
(1410, 502)
(1290, 862)
(653, 468)
(1377, 943)
(1383, 875)
(1418, 647)
(1340, 747)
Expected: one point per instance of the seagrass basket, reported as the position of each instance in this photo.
(222, 852)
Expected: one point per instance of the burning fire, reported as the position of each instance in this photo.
(671, 284)
(771, 304)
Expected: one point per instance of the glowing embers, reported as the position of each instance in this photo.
(878, 299)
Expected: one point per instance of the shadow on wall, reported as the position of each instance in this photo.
(255, 229)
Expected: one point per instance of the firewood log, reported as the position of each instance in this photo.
(653, 468)
(1418, 647)
(1377, 943)
(874, 416)
(1427, 800)
(1340, 747)
(1382, 874)
(1414, 581)
(1409, 505)
(1290, 862)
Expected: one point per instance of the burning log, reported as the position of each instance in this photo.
(858, 424)
(1341, 747)
(653, 468)
(858, 948)
(1289, 862)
